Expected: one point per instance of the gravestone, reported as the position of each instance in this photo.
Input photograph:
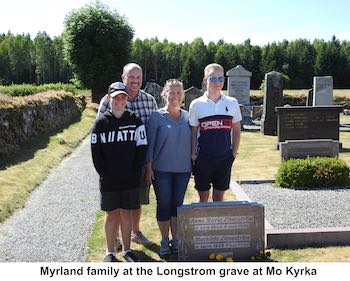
(191, 94)
(234, 229)
(155, 90)
(304, 148)
(323, 90)
(273, 96)
(239, 87)
(309, 98)
(308, 122)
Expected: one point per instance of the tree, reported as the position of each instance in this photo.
(61, 70)
(97, 46)
(43, 58)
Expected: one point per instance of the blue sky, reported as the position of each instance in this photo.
(184, 20)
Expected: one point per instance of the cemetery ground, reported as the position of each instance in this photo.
(257, 159)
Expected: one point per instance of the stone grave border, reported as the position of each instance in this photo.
(296, 238)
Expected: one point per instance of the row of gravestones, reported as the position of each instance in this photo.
(302, 130)
(311, 130)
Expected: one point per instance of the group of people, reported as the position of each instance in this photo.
(134, 144)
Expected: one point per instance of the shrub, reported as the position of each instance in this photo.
(313, 172)
(29, 89)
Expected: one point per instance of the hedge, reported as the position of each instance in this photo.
(29, 89)
(317, 172)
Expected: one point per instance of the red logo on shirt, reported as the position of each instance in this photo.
(220, 124)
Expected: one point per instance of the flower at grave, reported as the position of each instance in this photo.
(261, 253)
(212, 256)
(229, 259)
(219, 257)
(252, 258)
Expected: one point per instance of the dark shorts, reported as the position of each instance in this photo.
(128, 199)
(210, 170)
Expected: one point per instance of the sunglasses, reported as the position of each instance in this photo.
(217, 79)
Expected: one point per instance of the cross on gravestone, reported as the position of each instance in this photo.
(191, 94)
(233, 229)
(155, 90)
(273, 96)
(323, 90)
(239, 87)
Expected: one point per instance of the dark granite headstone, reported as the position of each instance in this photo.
(155, 90)
(310, 94)
(233, 229)
(273, 95)
(191, 94)
(306, 122)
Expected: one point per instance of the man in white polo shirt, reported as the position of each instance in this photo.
(215, 121)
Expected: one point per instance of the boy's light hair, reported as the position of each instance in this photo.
(211, 66)
(130, 66)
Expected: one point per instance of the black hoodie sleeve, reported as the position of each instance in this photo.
(96, 149)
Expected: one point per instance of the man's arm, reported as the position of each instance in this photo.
(235, 137)
(194, 131)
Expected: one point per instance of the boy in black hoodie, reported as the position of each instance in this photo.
(118, 145)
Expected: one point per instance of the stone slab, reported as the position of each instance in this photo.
(230, 228)
(304, 148)
(307, 237)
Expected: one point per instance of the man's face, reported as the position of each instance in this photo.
(217, 85)
(133, 80)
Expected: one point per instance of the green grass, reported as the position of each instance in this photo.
(25, 170)
(303, 92)
(327, 254)
(29, 89)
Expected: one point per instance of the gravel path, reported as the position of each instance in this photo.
(289, 208)
(57, 219)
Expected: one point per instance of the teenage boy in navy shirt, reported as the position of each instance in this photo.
(215, 135)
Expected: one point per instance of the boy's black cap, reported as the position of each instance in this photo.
(116, 88)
